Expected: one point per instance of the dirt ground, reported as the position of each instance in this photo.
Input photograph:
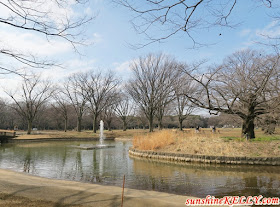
(8, 200)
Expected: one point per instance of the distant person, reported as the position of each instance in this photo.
(213, 129)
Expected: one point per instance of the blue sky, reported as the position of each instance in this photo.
(112, 33)
(115, 32)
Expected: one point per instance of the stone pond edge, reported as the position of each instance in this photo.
(177, 157)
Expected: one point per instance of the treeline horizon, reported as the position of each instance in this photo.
(244, 88)
(50, 119)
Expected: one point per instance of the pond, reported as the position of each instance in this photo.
(60, 160)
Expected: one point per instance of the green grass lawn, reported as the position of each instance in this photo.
(235, 134)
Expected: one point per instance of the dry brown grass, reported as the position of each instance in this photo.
(156, 140)
(207, 143)
(74, 134)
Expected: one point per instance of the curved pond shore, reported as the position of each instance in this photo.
(180, 157)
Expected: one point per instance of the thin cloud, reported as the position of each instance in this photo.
(260, 35)
(28, 42)
(245, 32)
(272, 30)
(97, 38)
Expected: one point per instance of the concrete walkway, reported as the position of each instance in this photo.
(85, 194)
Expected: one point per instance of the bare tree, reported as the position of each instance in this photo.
(161, 111)
(225, 120)
(269, 121)
(61, 106)
(183, 106)
(100, 93)
(187, 17)
(52, 18)
(246, 84)
(152, 82)
(4, 113)
(108, 115)
(124, 109)
(34, 94)
(75, 91)
(141, 118)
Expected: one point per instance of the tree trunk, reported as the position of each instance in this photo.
(160, 123)
(181, 124)
(151, 123)
(269, 125)
(29, 127)
(79, 124)
(248, 127)
(94, 124)
(270, 129)
(124, 125)
(109, 125)
(65, 124)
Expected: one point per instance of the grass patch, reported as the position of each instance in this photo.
(207, 143)
(156, 140)
(267, 138)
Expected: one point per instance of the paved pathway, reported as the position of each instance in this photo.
(70, 192)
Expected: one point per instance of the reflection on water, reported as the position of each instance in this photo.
(107, 166)
(204, 179)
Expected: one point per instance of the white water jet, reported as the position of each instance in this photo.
(101, 137)
(98, 146)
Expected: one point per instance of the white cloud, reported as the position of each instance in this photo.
(9, 84)
(97, 38)
(245, 32)
(50, 12)
(122, 67)
(56, 75)
(260, 35)
(28, 42)
(88, 11)
(272, 30)
(72, 66)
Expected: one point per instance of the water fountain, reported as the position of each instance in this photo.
(101, 136)
(101, 139)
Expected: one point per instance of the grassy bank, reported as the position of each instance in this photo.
(74, 134)
(225, 142)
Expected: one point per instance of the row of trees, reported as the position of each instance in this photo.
(246, 85)
(91, 94)
(50, 118)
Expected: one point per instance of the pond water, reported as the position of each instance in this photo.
(60, 160)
